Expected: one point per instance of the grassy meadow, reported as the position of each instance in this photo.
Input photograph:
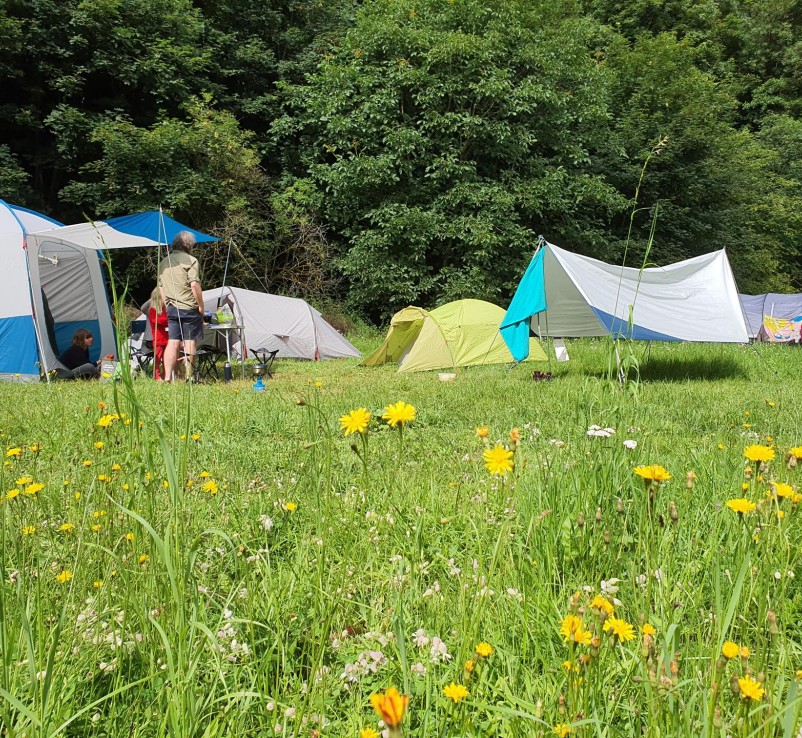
(207, 561)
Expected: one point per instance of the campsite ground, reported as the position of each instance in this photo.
(207, 560)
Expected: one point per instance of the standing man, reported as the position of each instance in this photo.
(179, 280)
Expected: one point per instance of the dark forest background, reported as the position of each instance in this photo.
(389, 152)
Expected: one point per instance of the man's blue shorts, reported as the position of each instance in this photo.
(184, 325)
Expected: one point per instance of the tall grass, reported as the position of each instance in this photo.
(252, 577)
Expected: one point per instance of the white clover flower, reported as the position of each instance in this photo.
(266, 521)
(630, 444)
(439, 651)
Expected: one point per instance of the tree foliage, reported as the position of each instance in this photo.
(397, 151)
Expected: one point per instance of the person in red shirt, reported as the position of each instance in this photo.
(157, 317)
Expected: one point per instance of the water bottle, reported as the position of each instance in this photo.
(227, 371)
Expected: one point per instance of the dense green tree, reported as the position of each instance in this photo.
(445, 136)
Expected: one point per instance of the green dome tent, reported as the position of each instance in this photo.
(461, 333)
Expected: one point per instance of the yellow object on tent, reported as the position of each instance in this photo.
(460, 333)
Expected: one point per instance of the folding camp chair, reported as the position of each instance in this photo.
(263, 356)
(142, 355)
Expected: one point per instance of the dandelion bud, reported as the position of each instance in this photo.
(619, 506)
(580, 520)
(661, 521)
(539, 709)
(717, 717)
(690, 478)
(748, 472)
(721, 663)
(300, 401)
(761, 678)
(354, 448)
(772, 618)
(598, 515)
(735, 688)
(672, 511)
(606, 537)
(791, 461)
(561, 704)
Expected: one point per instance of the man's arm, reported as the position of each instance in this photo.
(198, 293)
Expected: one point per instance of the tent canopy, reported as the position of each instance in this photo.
(568, 295)
(461, 333)
(142, 230)
(773, 317)
(272, 322)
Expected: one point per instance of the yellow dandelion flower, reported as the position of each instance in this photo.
(210, 487)
(750, 689)
(602, 604)
(572, 631)
(35, 447)
(355, 422)
(64, 576)
(648, 629)
(97, 527)
(12, 493)
(103, 478)
(469, 666)
(561, 730)
(77, 495)
(515, 435)
(399, 414)
(66, 527)
(98, 513)
(196, 437)
(116, 467)
(97, 584)
(130, 537)
(144, 558)
(741, 505)
(483, 431)
(368, 733)
(652, 473)
(484, 649)
(29, 530)
(455, 692)
(758, 453)
(99, 445)
(22, 481)
(498, 460)
(390, 706)
(290, 506)
(204, 475)
(796, 451)
(87, 463)
(14, 453)
(730, 650)
(744, 653)
(620, 628)
(34, 488)
(783, 490)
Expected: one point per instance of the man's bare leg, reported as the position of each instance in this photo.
(171, 359)
(189, 354)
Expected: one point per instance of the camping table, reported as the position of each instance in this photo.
(225, 329)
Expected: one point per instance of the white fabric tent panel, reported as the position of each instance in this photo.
(287, 324)
(15, 296)
(94, 236)
(692, 300)
(568, 311)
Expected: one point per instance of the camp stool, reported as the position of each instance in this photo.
(263, 356)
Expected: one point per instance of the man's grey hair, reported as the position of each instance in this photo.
(183, 241)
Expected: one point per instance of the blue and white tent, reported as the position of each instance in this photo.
(568, 295)
(53, 283)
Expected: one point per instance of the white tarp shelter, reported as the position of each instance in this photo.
(567, 295)
(782, 309)
(272, 322)
(48, 289)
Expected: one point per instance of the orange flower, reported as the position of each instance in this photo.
(390, 706)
